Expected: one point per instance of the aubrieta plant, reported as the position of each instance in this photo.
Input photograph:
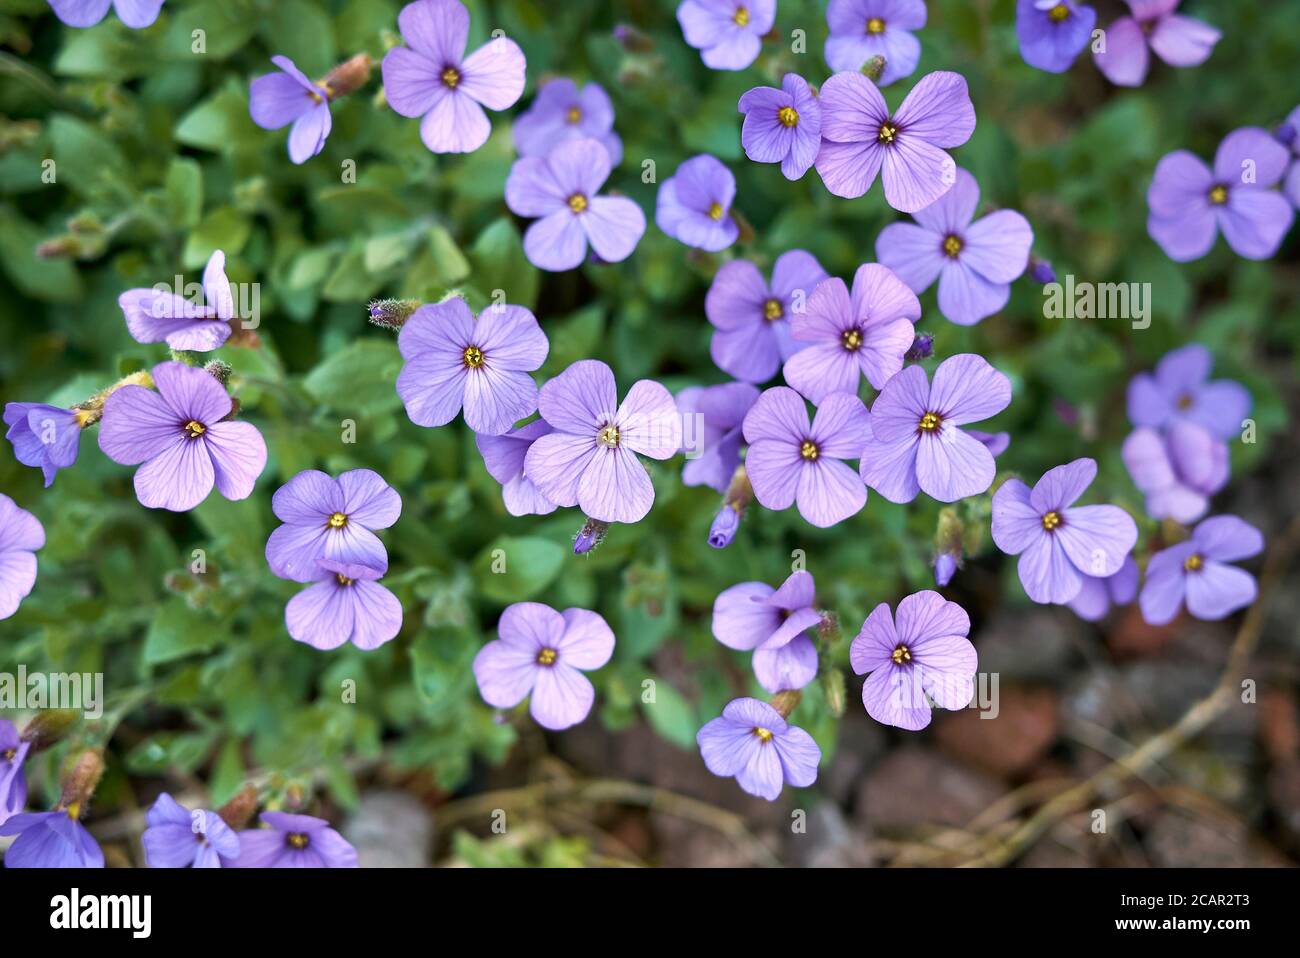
(393, 510)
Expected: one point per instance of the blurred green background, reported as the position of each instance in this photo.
(158, 164)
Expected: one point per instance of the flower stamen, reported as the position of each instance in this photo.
(773, 310)
(609, 436)
(473, 357)
(1218, 194)
(577, 202)
(573, 116)
(715, 211)
(1051, 520)
(547, 656)
(1193, 562)
(930, 422)
(808, 449)
(337, 520)
(875, 25)
(741, 17)
(762, 734)
(901, 654)
(952, 245)
(852, 339)
(451, 78)
(342, 579)
(788, 116)
(297, 840)
(888, 132)
(194, 429)
(1059, 12)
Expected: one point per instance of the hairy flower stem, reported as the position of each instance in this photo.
(90, 411)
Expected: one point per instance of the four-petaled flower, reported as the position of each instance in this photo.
(1179, 41)
(693, 205)
(862, 29)
(293, 841)
(782, 126)
(50, 840)
(1178, 469)
(728, 33)
(1179, 392)
(563, 112)
(43, 436)
(13, 780)
(346, 604)
(160, 316)
(176, 837)
(1098, 594)
(774, 624)
(290, 96)
(1196, 571)
(752, 743)
(21, 535)
(716, 436)
(504, 456)
(1053, 32)
(326, 518)
(136, 14)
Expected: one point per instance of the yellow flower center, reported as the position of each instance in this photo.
(338, 520)
(852, 339)
(1051, 520)
(715, 211)
(8, 754)
(901, 654)
(930, 422)
(875, 25)
(888, 132)
(762, 734)
(194, 429)
(808, 449)
(1193, 562)
(952, 245)
(451, 77)
(1059, 12)
(609, 436)
(573, 116)
(342, 579)
(297, 840)
(773, 310)
(546, 657)
(788, 116)
(577, 202)
(473, 357)
(1185, 401)
(741, 16)
(1218, 194)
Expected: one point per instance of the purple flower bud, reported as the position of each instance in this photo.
(391, 313)
(922, 348)
(1285, 134)
(631, 39)
(1042, 272)
(724, 527)
(589, 536)
(944, 567)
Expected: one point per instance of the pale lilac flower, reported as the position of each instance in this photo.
(1097, 595)
(50, 840)
(860, 137)
(560, 190)
(543, 653)
(753, 744)
(1179, 392)
(694, 204)
(920, 652)
(326, 518)
(590, 460)
(176, 837)
(994, 442)
(751, 317)
(1196, 571)
(293, 841)
(865, 334)
(43, 436)
(1053, 32)
(290, 96)
(862, 29)
(347, 604)
(792, 460)
(1179, 41)
(13, 781)
(1058, 542)
(719, 414)
(915, 445)
(181, 439)
(1190, 203)
(504, 458)
(782, 126)
(774, 624)
(21, 535)
(1178, 470)
(728, 33)
(483, 365)
(975, 263)
(431, 77)
(157, 315)
(136, 14)
(562, 112)
(1288, 134)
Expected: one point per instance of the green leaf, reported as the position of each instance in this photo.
(184, 189)
(514, 568)
(219, 123)
(671, 715)
(86, 158)
(177, 631)
(500, 264)
(360, 377)
(223, 229)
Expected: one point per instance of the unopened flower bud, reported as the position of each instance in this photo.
(944, 568)
(631, 39)
(48, 726)
(238, 812)
(589, 536)
(786, 701)
(1040, 271)
(80, 780)
(219, 370)
(874, 68)
(348, 77)
(833, 689)
(922, 348)
(1285, 134)
(392, 313)
(724, 527)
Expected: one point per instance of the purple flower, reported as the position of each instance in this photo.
(13, 782)
(728, 33)
(278, 99)
(181, 435)
(945, 567)
(752, 743)
(994, 442)
(1288, 136)
(752, 318)
(860, 136)
(975, 263)
(50, 840)
(560, 189)
(1058, 542)
(1197, 571)
(1179, 41)
(431, 76)
(1041, 271)
(868, 333)
(774, 624)
(46, 437)
(862, 29)
(156, 315)
(724, 527)
(330, 519)
(782, 126)
(346, 604)
(178, 838)
(1178, 470)
(1053, 32)
(922, 651)
(135, 14)
(694, 204)
(1097, 594)
(590, 458)
(452, 360)
(504, 458)
(1179, 392)
(914, 443)
(791, 460)
(562, 112)
(543, 653)
(1190, 203)
(293, 841)
(719, 413)
(21, 535)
